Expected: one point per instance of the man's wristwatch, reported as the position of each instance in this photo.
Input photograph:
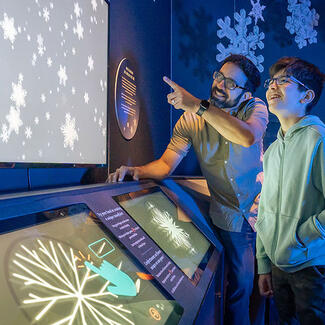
(204, 105)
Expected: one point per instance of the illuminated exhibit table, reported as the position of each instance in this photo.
(132, 253)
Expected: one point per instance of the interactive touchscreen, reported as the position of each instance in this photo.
(68, 269)
(169, 227)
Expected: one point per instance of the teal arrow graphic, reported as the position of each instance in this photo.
(122, 284)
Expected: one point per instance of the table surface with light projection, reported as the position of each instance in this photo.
(102, 255)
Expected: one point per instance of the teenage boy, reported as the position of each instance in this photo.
(291, 218)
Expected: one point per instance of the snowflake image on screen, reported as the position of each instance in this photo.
(176, 235)
(55, 288)
(302, 21)
(240, 40)
(49, 45)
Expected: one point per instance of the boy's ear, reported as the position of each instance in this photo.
(308, 97)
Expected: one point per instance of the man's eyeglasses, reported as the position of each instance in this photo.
(229, 83)
(281, 80)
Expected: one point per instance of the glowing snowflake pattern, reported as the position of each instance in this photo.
(79, 30)
(46, 14)
(14, 120)
(41, 48)
(18, 92)
(28, 132)
(69, 131)
(50, 272)
(9, 29)
(178, 236)
(240, 41)
(77, 10)
(62, 75)
(94, 4)
(90, 63)
(4, 133)
(302, 22)
(256, 11)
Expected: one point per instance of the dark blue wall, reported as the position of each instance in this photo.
(195, 42)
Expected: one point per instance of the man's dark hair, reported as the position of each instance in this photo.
(305, 72)
(248, 67)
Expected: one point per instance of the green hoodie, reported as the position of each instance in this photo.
(291, 217)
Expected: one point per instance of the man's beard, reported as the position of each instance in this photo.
(223, 102)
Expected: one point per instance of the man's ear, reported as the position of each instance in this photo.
(308, 97)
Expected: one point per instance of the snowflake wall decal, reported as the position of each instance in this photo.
(256, 11)
(69, 131)
(28, 132)
(302, 21)
(77, 10)
(41, 48)
(49, 272)
(79, 30)
(46, 14)
(240, 41)
(4, 133)
(14, 120)
(178, 236)
(94, 4)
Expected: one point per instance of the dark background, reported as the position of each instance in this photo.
(179, 39)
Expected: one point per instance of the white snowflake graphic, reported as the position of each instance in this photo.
(62, 75)
(36, 120)
(69, 131)
(14, 120)
(51, 274)
(66, 26)
(34, 59)
(90, 63)
(100, 122)
(46, 14)
(256, 11)
(86, 98)
(43, 98)
(49, 62)
(77, 10)
(18, 92)
(28, 38)
(4, 133)
(79, 30)
(41, 48)
(47, 116)
(28, 132)
(178, 236)
(240, 42)
(73, 51)
(73, 90)
(302, 21)
(9, 29)
(94, 4)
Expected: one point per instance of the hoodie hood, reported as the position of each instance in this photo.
(308, 120)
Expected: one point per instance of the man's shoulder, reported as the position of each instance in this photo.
(256, 102)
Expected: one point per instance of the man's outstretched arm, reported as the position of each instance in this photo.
(157, 169)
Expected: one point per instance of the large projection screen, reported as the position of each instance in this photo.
(54, 62)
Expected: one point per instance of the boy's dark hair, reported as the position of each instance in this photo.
(305, 72)
(248, 67)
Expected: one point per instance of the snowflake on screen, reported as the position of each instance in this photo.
(4, 135)
(14, 120)
(18, 92)
(94, 4)
(49, 62)
(240, 41)
(256, 11)
(43, 98)
(69, 132)
(79, 30)
(41, 48)
(77, 10)
(36, 120)
(34, 59)
(166, 223)
(62, 75)
(86, 98)
(90, 63)
(302, 21)
(28, 132)
(9, 29)
(46, 14)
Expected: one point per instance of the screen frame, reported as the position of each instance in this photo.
(157, 189)
(17, 165)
